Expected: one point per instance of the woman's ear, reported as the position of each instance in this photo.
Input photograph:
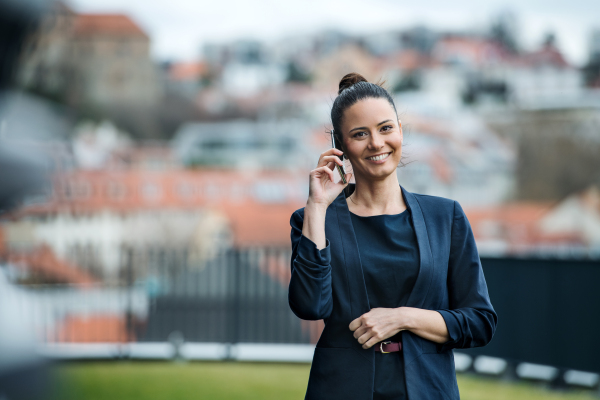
(401, 132)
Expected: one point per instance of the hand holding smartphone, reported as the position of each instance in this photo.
(340, 169)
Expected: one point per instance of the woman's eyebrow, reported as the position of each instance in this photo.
(364, 127)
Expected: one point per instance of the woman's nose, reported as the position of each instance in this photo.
(376, 141)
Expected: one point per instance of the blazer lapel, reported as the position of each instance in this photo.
(423, 282)
(359, 302)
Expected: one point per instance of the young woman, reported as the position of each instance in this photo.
(395, 275)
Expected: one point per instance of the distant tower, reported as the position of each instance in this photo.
(549, 40)
(505, 30)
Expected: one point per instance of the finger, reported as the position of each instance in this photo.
(327, 159)
(365, 337)
(372, 341)
(331, 151)
(359, 332)
(354, 325)
(327, 171)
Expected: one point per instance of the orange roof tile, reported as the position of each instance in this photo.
(131, 190)
(107, 24)
(187, 71)
(94, 329)
(261, 224)
(548, 55)
(236, 194)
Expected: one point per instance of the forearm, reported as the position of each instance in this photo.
(314, 224)
(310, 295)
(310, 282)
(427, 324)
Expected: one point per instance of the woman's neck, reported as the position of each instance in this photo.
(376, 197)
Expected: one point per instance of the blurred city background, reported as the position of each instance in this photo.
(151, 157)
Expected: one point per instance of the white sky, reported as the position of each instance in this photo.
(178, 28)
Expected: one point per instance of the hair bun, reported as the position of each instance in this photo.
(349, 80)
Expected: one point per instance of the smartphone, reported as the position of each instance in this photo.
(336, 145)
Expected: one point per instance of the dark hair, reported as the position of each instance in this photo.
(354, 87)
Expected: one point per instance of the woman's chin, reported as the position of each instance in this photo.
(379, 174)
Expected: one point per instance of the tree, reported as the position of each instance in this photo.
(504, 30)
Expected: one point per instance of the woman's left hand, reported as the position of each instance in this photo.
(377, 325)
(382, 323)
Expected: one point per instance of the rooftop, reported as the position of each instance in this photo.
(107, 25)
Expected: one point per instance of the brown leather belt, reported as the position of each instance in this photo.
(388, 346)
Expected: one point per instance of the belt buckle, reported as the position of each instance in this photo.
(381, 346)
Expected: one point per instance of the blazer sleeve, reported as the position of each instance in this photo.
(309, 292)
(470, 318)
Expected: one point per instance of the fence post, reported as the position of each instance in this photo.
(232, 296)
(129, 304)
(237, 286)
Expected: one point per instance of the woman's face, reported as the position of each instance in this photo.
(371, 128)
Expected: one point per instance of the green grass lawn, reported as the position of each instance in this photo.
(236, 380)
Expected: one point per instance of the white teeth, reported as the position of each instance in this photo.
(379, 157)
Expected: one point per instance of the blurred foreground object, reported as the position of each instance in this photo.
(21, 176)
(18, 18)
(22, 373)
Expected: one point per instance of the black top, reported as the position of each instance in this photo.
(389, 255)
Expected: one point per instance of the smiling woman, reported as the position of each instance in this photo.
(395, 275)
(374, 150)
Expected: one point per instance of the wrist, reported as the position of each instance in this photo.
(406, 318)
(312, 206)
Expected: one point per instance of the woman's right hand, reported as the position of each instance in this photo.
(322, 188)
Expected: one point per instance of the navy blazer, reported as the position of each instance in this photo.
(450, 281)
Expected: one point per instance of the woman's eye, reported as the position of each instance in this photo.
(359, 133)
(387, 128)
